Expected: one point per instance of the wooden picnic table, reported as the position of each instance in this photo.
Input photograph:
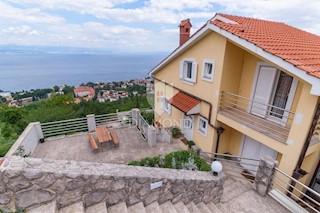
(102, 134)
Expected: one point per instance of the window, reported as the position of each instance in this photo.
(188, 71)
(207, 70)
(202, 126)
(166, 106)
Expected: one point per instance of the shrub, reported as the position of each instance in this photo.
(175, 132)
(175, 160)
(190, 144)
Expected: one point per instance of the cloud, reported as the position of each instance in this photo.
(132, 25)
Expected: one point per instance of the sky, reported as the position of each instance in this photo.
(132, 25)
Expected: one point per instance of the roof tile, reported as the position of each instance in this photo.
(183, 102)
(298, 47)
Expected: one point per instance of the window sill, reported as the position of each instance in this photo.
(202, 132)
(207, 79)
(187, 82)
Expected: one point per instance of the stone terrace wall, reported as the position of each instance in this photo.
(30, 182)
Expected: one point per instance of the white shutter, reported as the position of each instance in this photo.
(169, 109)
(181, 70)
(194, 72)
(162, 102)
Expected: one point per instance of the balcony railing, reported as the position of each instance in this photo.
(265, 118)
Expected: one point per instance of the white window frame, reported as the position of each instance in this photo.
(184, 68)
(165, 102)
(205, 76)
(200, 129)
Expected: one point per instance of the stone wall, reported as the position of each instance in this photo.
(30, 182)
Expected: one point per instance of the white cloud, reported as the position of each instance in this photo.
(151, 26)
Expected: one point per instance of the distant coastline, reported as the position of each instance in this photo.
(44, 70)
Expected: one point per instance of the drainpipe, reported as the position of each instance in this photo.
(298, 172)
(219, 131)
(195, 97)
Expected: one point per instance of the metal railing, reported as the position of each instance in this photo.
(235, 166)
(143, 126)
(265, 118)
(121, 118)
(302, 194)
(64, 127)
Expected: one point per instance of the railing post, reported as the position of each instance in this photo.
(265, 174)
(152, 136)
(135, 114)
(39, 130)
(91, 122)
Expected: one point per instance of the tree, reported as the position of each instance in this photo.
(67, 90)
(55, 88)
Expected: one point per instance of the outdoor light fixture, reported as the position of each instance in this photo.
(216, 167)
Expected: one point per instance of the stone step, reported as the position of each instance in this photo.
(231, 185)
(181, 208)
(203, 208)
(153, 208)
(77, 207)
(137, 208)
(192, 207)
(47, 208)
(237, 189)
(213, 208)
(167, 207)
(118, 208)
(97, 208)
(221, 207)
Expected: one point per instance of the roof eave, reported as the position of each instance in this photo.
(314, 81)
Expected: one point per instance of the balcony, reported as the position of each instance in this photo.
(267, 119)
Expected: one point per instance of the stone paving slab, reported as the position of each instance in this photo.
(132, 147)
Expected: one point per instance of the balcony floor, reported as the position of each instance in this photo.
(261, 125)
(132, 147)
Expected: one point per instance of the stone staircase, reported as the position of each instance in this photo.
(232, 189)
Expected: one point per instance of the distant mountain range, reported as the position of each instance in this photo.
(20, 49)
(11, 49)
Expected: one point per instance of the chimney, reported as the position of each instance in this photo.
(185, 27)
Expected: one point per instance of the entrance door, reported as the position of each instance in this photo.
(188, 127)
(265, 78)
(254, 149)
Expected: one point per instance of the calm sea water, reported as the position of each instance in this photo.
(31, 71)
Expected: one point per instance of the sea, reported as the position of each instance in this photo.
(20, 71)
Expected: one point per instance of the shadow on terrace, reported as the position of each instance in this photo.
(68, 139)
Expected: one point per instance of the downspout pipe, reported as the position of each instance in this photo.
(298, 172)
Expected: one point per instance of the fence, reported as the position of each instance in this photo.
(235, 166)
(64, 127)
(300, 193)
(72, 126)
(272, 120)
(143, 126)
(300, 199)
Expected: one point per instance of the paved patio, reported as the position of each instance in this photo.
(77, 147)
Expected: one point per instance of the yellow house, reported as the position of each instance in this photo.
(247, 87)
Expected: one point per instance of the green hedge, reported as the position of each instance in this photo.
(175, 160)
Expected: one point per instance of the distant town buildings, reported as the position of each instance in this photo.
(112, 95)
(84, 91)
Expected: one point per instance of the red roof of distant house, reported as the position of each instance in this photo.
(183, 102)
(298, 47)
(84, 89)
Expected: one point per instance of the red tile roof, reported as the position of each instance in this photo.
(183, 102)
(300, 48)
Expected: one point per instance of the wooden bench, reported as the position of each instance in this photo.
(114, 137)
(93, 143)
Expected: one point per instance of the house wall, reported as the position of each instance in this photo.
(210, 47)
(234, 72)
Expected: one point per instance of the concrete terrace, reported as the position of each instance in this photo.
(76, 147)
